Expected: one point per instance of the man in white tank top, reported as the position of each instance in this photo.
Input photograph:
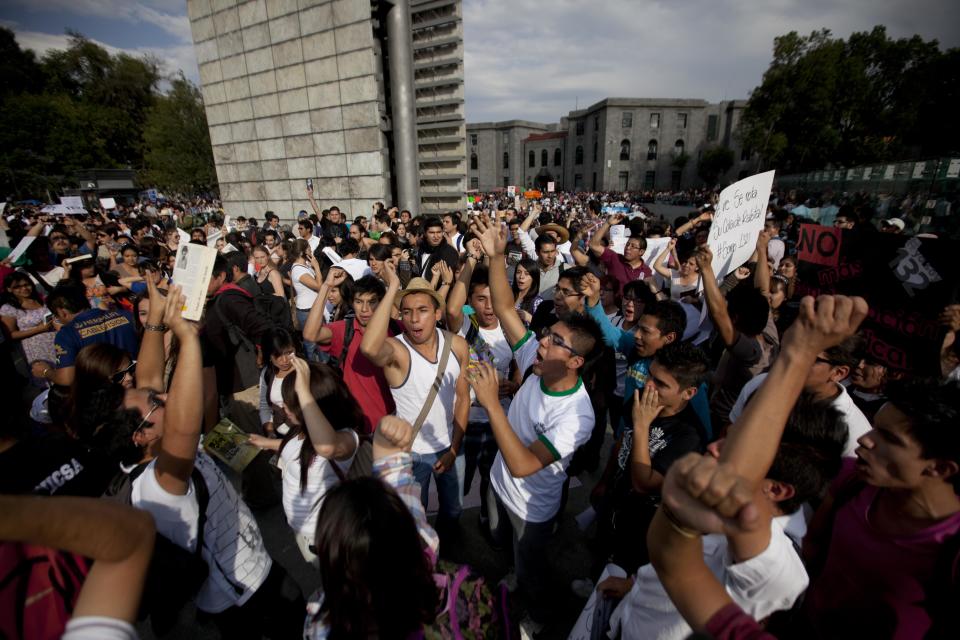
(409, 363)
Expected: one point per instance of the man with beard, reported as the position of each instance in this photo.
(434, 247)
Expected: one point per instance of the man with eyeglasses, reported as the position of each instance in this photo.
(549, 418)
(822, 381)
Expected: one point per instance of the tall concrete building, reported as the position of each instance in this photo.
(364, 97)
(618, 144)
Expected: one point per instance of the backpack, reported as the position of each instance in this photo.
(246, 371)
(170, 564)
(275, 309)
(471, 608)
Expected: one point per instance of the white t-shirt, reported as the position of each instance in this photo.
(276, 391)
(770, 581)
(98, 628)
(857, 423)
(231, 539)
(560, 420)
(303, 507)
(502, 357)
(305, 295)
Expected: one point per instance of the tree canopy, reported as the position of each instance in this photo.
(828, 101)
(85, 108)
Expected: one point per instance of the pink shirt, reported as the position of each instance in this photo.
(875, 582)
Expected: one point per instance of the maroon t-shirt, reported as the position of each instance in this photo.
(620, 269)
(364, 379)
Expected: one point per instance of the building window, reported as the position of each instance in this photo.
(624, 149)
(594, 182)
(654, 120)
(626, 120)
(652, 150)
(675, 176)
(649, 180)
(473, 139)
(506, 138)
(578, 156)
(506, 160)
(596, 123)
(473, 161)
(681, 120)
(474, 183)
(557, 158)
(577, 181)
(745, 154)
(506, 181)
(624, 178)
(531, 159)
(579, 127)
(712, 126)
(595, 146)
(678, 148)
(544, 155)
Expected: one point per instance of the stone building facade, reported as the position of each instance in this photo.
(299, 89)
(495, 152)
(621, 144)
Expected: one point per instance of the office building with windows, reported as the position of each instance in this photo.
(363, 97)
(618, 144)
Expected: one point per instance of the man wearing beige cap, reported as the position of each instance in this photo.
(410, 363)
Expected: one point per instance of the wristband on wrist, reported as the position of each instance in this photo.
(676, 525)
(155, 327)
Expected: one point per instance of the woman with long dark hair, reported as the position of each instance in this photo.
(314, 455)
(376, 550)
(25, 318)
(278, 347)
(526, 284)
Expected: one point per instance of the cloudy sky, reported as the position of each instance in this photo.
(538, 59)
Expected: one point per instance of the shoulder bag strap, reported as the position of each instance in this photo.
(347, 339)
(435, 388)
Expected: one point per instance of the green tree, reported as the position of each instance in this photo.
(826, 100)
(714, 162)
(179, 157)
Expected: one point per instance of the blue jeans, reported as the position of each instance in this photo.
(309, 348)
(449, 483)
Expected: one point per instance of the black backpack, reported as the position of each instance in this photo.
(275, 309)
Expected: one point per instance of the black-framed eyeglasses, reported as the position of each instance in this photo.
(825, 361)
(569, 293)
(118, 376)
(556, 340)
(155, 402)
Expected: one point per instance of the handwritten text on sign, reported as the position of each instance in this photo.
(740, 214)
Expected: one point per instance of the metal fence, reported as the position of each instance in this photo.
(935, 176)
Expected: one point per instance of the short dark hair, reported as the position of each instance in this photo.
(369, 284)
(237, 260)
(348, 245)
(270, 215)
(221, 265)
(306, 224)
(575, 275)
(749, 310)
(587, 338)
(685, 362)
(848, 353)
(380, 251)
(479, 278)
(69, 296)
(670, 317)
(543, 239)
(933, 409)
(432, 221)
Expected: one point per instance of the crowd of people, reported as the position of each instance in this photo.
(767, 476)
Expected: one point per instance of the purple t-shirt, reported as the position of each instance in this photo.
(620, 269)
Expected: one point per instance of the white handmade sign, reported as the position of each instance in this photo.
(72, 201)
(108, 203)
(737, 221)
(551, 187)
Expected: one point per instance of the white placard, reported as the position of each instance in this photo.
(20, 249)
(738, 220)
(867, 172)
(108, 203)
(953, 169)
(192, 271)
(63, 210)
(213, 237)
(889, 172)
(511, 191)
(72, 201)
(618, 238)
(551, 187)
(655, 246)
(918, 168)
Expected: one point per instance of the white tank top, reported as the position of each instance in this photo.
(412, 394)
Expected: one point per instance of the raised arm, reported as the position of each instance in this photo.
(118, 538)
(184, 407)
(694, 222)
(458, 295)
(375, 345)
(623, 341)
(646, 408)
(761, 277)
(313, 203)
(716, 303)
(152, 357)
(752, 440)
(596, 241)
(327, 442)
(314, 329)
(580, 258)
(660, 264)
(493, 237)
